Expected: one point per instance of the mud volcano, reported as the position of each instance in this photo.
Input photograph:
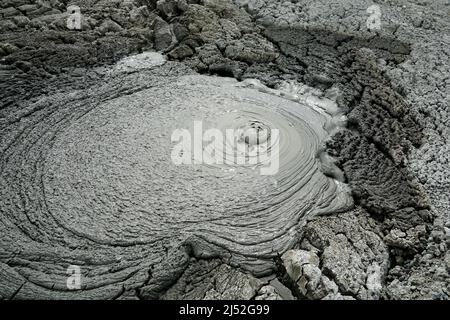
(127, 189)
(88, 180)
(104, 173)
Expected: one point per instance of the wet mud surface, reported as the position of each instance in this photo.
(358, 209)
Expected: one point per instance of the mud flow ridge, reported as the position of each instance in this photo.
(87, 177)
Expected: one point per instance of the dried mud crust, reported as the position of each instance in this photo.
(391, 246)
(39, 52)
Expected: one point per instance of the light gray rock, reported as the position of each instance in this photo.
(212, 281)
(167, 8)
(303, 269)
(9, 12)
(7, 25)
(268, 293)
(251, 48)
(21, 21)
(163, 35)
(28, 8)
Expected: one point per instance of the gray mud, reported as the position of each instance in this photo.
(85, 140)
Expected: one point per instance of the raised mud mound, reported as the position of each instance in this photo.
(87, 178)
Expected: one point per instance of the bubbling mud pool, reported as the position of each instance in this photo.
(111, 175)
(103, 177)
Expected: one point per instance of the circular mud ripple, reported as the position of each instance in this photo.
(94, 184)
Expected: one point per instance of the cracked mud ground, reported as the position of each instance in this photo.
(84, 116)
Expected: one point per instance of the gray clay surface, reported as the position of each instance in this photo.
(359, 208)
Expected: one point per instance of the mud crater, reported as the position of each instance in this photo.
(86, 179)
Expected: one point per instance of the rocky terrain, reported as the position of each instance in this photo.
(78, 161)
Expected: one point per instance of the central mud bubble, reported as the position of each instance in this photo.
(109, 176)
(254, 134)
